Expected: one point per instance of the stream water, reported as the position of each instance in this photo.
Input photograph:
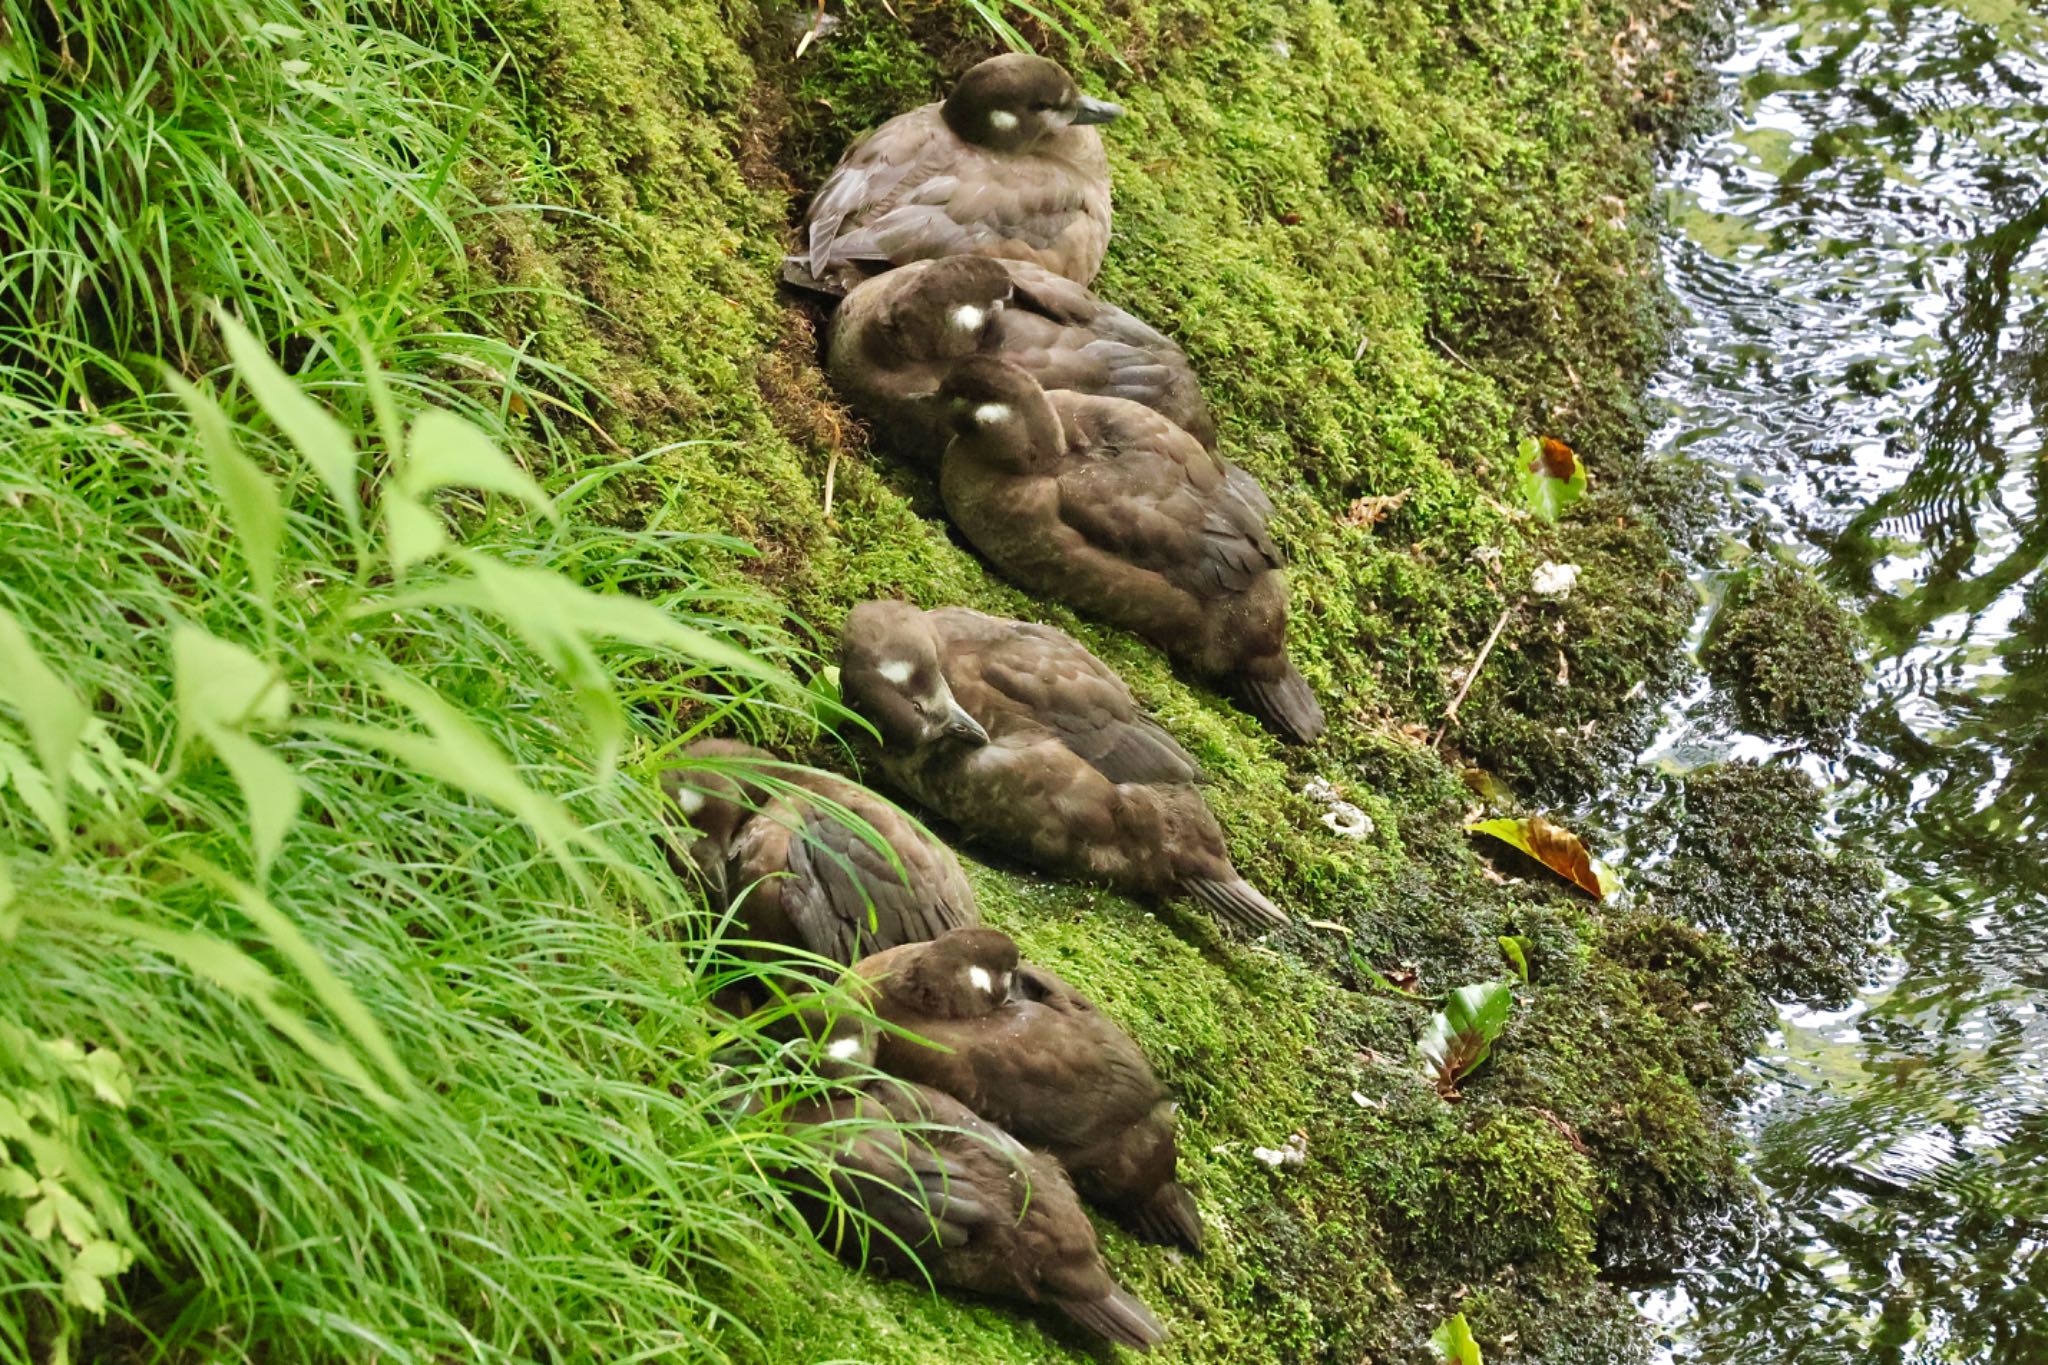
(1862, 251)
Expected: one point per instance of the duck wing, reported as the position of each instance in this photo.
(1081, 700)
(919, 1194)
(871, 174)
(957, 201)
(1070, 339)
(848, 898)
(1146, 492)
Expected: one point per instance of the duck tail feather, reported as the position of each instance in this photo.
(1285, 703)
(1238, 901)
(1170, 1218)
(1117, 1316)
(797, 274)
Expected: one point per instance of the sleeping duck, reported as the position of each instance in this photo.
(1031, 1054)
(1067, 772)
(1105, 504)
(1005, 166)
(896, 336)
(803, 879)
(955, 1197)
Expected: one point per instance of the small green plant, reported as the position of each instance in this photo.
(1553, 477)
(1452, 1341)
(1516, 948)
(1458, 1038)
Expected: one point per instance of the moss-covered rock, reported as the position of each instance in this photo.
(1786, 652)
(1748, 861)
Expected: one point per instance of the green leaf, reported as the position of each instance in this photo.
(41, 1219)
(221, 684)
(98, 1261)
(53, 714)
(446, 451)
(1516, 949)
(1554, 478)
(10, 916)
(1453, 1343)
(15, 1183)
(109, 1077)
(1461, 1035)
(311, 429)
(74, 1219)
(33, 789)
(412, 532)
(269, 787)
(221, 689)
(252, 502)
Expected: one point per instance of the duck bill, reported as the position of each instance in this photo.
(960, 725)
(1092, 110)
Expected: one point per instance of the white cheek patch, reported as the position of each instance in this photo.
(968, 318)
(843, 1049)
(897, 671)
(690, 801)
(979, 978)
(1002, 119)
(992, 414)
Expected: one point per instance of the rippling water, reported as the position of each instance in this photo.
(1863, 253)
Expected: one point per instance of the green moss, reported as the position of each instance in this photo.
(1394, 237)
(1748, 861)
(1786, 651)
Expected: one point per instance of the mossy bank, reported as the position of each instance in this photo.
(1394, 237)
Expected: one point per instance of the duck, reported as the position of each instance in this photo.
(953, 1196)
(1103, 503)
(1067, 773)
(1029, 1053)
(1009, 164)
(769, 847)
(895, 336)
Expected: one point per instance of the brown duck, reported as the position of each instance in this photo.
(895, 338)
(974, 1207)
(803, 879)
(1072, 776)
(1005, 166)
(1106, 504)
(1031, 1054)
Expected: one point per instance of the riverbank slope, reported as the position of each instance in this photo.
(1395, 238)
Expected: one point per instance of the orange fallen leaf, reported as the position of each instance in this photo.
(1557, 848)
(1554, 459)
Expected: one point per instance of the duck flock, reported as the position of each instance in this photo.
(1076, 453)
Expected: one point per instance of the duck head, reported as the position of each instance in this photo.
(838, 1045)
(947, 310)
(961, 974)
(715, 801)
(889, 673)
(1009, 103)
(1001, 412)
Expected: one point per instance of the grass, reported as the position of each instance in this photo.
(350, 1005)
(364, 885)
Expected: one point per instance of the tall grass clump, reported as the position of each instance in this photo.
(345, 989)
(295, 160)
(348, 1006)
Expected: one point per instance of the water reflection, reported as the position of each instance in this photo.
(1864, 257)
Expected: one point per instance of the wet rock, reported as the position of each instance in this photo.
(1786, 653)
(1749, 862)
